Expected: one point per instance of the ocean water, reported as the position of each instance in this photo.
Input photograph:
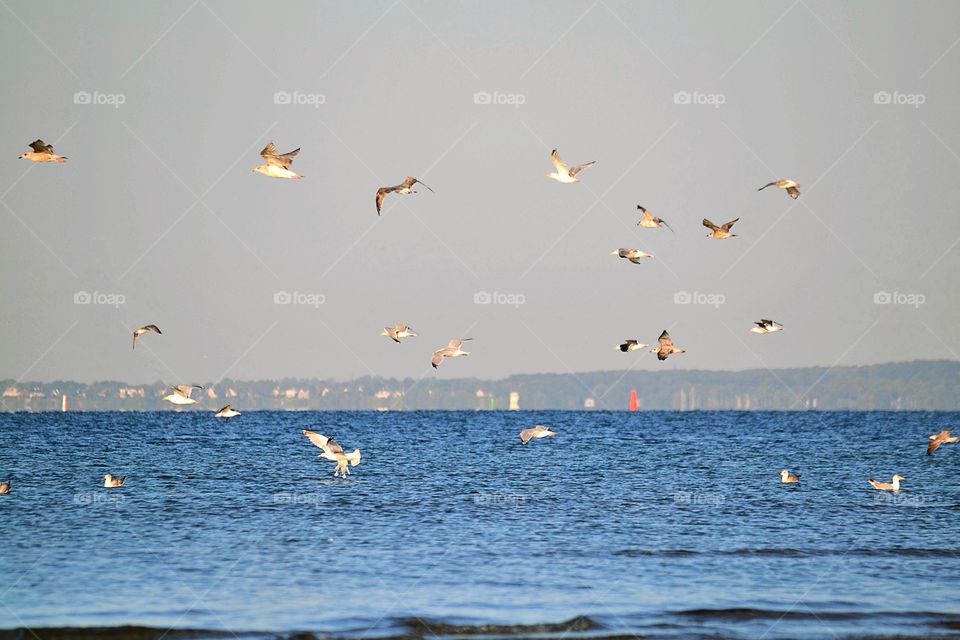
(668, 525)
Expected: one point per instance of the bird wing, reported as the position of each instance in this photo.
(415, 181)
(710, 225)
(935, 444)
(186, 389)
(454, 344)
(769, 184)
(271, 156)
(135, 336)
(318, 439)
(558, 163)
(793, 192)
(665, 340)
(382, 193)
(580, 167)
(153, 327)
(269, 151)
(437, 357)
(39, 146)
(663, 222)
(728, 225)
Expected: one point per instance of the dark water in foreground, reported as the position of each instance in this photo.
(656, 524)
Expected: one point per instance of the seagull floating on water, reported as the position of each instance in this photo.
(111, 483)
(226, 413)
(535, 433)
(633, 255)
(651, 221)
(181, 394)
(766, 326)
(666, 347)
(793, 188)
(333, 451)
(888, 486)
(142, 330)
(630, 345)
(563, 173)
(789, 478)
(398, 332)
(5, 487)
(944, 437)
(452, 350)
(276, 165)
(402, 189)
(42, 152)
(722, 232)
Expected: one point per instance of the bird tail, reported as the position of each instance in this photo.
(354, 457)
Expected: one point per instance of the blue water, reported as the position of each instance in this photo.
(658, 524)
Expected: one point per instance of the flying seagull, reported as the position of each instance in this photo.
(42, 152)
(181, 394)
(766, 326)
(666, 347)
(111, 483)
(276, 165)
(633, 255)
(142, 330)
(563, 173)
(944, 437)
(651, 221)
(398, 332)
(630, 345)
(793, 188)
(452, 350)
(789, 478)
(403, 189)
(888, 486)
(226, 413)
(333, 451)
(720, 232)
(5, 487)
(538, 431)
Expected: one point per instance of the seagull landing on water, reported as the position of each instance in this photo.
(630, 345)
(333, 451)
(793, 188)
(142, 330)
(944, 437)
(651, 221)
(276, 165)
(452, 350)
(888, 486)
(633, 255)
(181, 394)
(722, 232)
(666, 347)
(5, 487)
(112, 483)
(42, 152)
(226, 413)
(535, 433)
(398, 332)
(403, 189)
(766, 326)
(563, 173)
(789, 478)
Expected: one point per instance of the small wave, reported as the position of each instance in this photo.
(945, 554)
(421, 627)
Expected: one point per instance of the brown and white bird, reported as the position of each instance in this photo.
(536, 433)
(651, 221)
(722, 232)
(277, 165)
(563, 173)
(666, 347)
(142, 330)
(226, 413)
(633, 255)
(42, 152)
(937, 440)
(766, 326)
(111, 483)
(334, 452)
(402, 189)
(398, 332)
(789, 478)
(888, 486)
(181, 394)
(452, 350)
(323, 442)
(5, 487)
(793, 188)
(630, 345)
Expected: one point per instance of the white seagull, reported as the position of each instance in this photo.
(766, 326)
(535, 433)
(398, 332)
(142, 330)
(226, 413)
(403, 189)
(42, 152)
(792, 187)
(111, 483)
(630, 345)
(651, 221)
(888, 486)
(452, 350)
(633, 255)
(276, 165)
(563, 173)
(334, 452)
(181, 394)
(789, 478)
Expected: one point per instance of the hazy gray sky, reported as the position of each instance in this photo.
(157, 202)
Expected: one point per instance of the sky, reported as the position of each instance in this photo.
(687, 107)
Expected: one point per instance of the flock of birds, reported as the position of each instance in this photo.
(277, 165)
